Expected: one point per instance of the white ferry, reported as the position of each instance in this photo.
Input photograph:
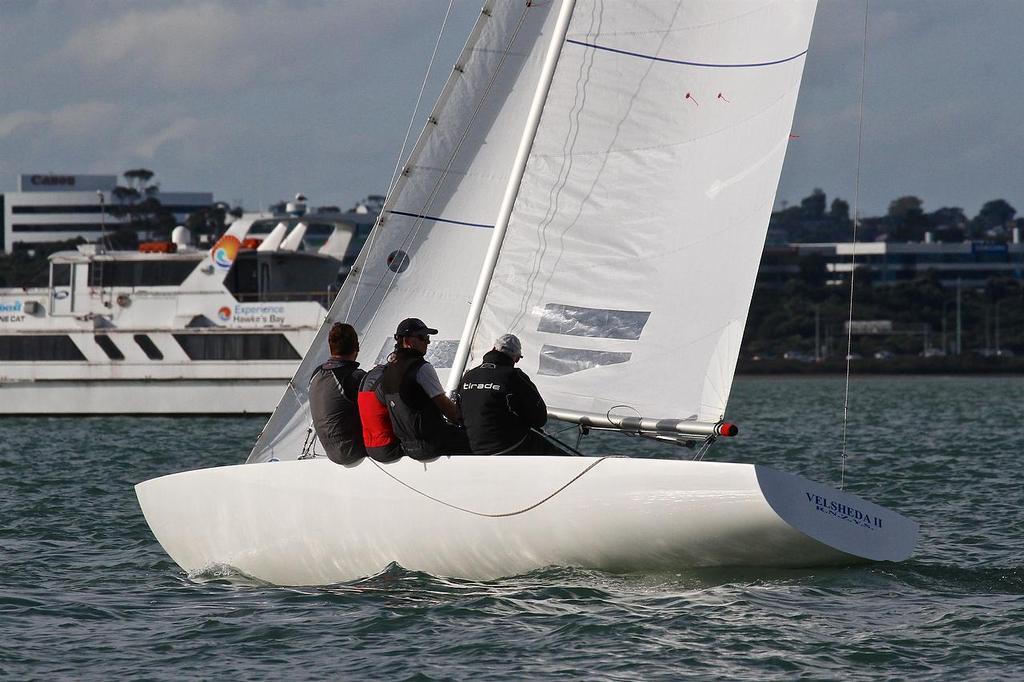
(170, 329)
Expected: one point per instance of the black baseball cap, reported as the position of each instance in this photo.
(412, 326)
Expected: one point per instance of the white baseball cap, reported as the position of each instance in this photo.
(510, 345)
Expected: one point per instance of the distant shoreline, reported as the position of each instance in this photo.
(963, 365)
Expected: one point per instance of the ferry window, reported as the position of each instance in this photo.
(48, 348)
(61, 274)
(597, 322)
(148, 347)
(140, 273)
(109, 347)
(236, 346)
(556, 361)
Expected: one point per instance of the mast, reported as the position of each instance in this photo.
(511, 191)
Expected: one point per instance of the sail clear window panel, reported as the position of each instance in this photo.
(558, 361)
(109, 347)
(148, 347)
(234, 347)
(440, 352)
(39, 348)
(596, 322)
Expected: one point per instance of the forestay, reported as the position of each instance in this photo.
(629, 261)
(423, 257)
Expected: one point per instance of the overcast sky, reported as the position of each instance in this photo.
(256, 101)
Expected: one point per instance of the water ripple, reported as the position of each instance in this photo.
(89, 594)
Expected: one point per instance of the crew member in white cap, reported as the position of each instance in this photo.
(500, 405)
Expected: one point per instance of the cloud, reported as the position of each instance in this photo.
(12, 122)
(212, 45)
(72, 120)
(85, 118)
(183, 128)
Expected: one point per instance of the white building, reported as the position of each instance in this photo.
(54, 208)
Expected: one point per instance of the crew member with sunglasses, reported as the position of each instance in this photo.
(416, 400)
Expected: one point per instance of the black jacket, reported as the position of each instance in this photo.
(332, 404)
(499, 405)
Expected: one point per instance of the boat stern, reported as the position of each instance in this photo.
(839, 519)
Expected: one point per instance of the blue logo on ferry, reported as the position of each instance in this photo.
(10, 307)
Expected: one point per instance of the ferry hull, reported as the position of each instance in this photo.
(313, 522)
(152, 397)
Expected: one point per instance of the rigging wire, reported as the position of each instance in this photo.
(410, 238)
(853, 252)
(405, 142)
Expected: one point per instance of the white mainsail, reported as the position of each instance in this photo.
(629, 261)
(423, 257)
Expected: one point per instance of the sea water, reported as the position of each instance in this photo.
(87, 593)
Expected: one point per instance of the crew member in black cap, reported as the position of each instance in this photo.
(415, 398)
(501, 406)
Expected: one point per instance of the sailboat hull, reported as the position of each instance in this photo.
(314, 522)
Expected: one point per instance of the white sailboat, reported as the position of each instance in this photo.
(596, 178)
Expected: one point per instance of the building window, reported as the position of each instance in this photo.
(236, 346)
(48, 348)
(109, 347)
(148, 347)
(63, 227)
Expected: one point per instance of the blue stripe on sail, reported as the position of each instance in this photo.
(441, 220)
(686, 63)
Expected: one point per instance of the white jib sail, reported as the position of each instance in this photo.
(424, 255)
(629, 261)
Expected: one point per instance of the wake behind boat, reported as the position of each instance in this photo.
(517, 212)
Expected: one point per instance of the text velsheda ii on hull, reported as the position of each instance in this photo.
(170, 329)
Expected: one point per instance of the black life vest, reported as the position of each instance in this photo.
(332, 405)
(415, 418)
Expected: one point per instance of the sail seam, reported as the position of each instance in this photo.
(684, 62)
(485, 514)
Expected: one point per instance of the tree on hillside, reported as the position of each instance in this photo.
(813, 206)
(905, 219)
(138, 177)
(140, 210)
(839, 212)
(993, 217)
(949, 223)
